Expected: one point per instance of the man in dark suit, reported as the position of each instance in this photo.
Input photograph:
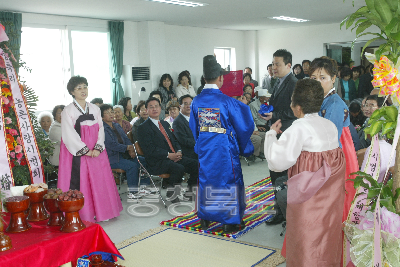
(283, 89)
(365, 85)
(163, 153)
(181, 127)
(281, 100)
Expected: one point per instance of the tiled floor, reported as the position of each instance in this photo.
(128, 225)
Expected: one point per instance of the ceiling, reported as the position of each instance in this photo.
(220, 14)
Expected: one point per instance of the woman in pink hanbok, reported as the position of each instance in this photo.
(84, 164)
(310, 150)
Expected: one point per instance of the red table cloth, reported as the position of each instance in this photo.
(44, 245)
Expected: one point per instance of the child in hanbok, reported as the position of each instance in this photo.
(316, 165)
(84, 164)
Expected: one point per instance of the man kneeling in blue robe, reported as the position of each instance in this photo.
(222, 127)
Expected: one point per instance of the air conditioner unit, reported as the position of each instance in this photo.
(136, 82)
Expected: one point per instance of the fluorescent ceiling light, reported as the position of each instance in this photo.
(290, 19)
(180, 3)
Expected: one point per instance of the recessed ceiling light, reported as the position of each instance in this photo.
(290, 19)
(180, 3)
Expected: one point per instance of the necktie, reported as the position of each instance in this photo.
(276, 85)
(166, 136)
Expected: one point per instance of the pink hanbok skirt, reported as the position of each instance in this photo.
(102, 201)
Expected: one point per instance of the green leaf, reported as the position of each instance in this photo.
(388, 126)
(363, 26)
(382, 49)
(351, 19)
(393, 23)
(388, 203)
(393, 4)
(373, 192)
(367, 131)
(392, 112)
(375, 20)
(376, 127)
(369, 42)
(395, 36)
(376, 114)
(383, 9)
(386, 192)
(360, 21)
(360, 174)
(374, 184)
(397, 194)
(373, 206)
(371, 6)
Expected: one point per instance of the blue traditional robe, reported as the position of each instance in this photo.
(221, 194)
(334, 109)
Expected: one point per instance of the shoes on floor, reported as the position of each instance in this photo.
(251, 158)
(261, 156)
(133, 196)
(229, 228)
(204, 224)
(173, 192)
(277, 219)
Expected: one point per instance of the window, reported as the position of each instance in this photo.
(223, 56)
(90, 60)
(47, 53)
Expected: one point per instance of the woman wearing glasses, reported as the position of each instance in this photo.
(83, 163)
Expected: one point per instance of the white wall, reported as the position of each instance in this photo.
(251, 52)
(305, 42)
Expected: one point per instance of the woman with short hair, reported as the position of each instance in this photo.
(45, 119)
(173, 109)
(298, 72)
(126, 103)
(184, 87)
(143, 115)
(309, 148)
(118, 118)
(120, 151)
(85, 164)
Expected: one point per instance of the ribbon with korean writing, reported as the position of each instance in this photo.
(24, 124)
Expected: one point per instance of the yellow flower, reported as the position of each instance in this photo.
(5, 92)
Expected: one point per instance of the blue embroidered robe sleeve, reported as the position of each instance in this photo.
(334, 109)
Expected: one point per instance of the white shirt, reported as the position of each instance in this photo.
(330, 91)
(155, 122)
(181, 91)
(211, 86)
(186, 117)
(311, 133)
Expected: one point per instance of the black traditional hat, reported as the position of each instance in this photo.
(211, 68)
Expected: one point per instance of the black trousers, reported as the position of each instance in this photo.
(177, 169)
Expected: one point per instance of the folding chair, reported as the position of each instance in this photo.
(143, 171)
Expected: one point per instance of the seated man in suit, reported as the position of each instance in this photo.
(181, 127)
(163, 153)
